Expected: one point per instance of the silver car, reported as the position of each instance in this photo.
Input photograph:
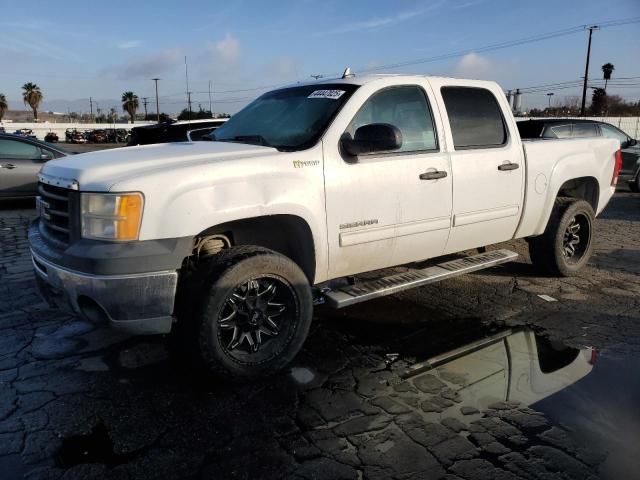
(20, 161)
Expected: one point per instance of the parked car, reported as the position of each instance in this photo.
(25, 132)
(232, 242)
(97, 136)
(117, 135)
(167, 132)
(2, 130)
(78, 137)
(578, 128)
(51, 137)
(20, 161)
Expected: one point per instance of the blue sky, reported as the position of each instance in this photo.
(76, 49)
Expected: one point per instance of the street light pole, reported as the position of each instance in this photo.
(586, 70)
(157, 102)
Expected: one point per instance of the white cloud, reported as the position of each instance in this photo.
(129, 44)
(378, 22)
(227, 49)
(475, 66)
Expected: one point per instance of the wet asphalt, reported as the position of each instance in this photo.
(476, 377)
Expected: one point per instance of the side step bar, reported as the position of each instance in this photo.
(360, 292)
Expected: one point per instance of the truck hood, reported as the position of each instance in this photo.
(99, 171)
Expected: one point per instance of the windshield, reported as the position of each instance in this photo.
(288, 119)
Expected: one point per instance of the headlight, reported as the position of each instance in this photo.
(109, 216)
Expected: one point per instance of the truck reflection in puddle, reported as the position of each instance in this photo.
(468, 410)
(513, 366)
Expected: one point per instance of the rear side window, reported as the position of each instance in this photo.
(584, 130)
(558, 131)
(475, 118)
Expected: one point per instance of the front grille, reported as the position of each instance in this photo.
(55, 208)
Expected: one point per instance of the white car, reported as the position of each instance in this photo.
(231, 242)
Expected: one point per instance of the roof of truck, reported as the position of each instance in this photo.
(356, 79)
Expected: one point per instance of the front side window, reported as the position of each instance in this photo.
(404, 107)
(612, 132)
(475, 118)
(584, 130)
(18, 150)
(288, 119)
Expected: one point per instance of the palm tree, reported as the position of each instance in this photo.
(130, 104)
(32, 96)
(607, 70)
(4, 106)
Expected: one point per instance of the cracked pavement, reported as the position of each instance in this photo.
(437, 382)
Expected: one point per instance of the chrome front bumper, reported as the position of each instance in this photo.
(139, 303)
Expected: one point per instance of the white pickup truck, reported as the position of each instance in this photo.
(232, 242)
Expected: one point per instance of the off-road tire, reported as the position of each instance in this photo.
(208, 291)
(547, 251)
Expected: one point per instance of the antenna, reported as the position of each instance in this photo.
(347, 73)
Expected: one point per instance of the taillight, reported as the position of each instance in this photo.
(617, 167)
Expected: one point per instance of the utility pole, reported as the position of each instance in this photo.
(157, 102)
(91, 108)
(210, 106)
(586, 70)
(144, 102)
(186, 76)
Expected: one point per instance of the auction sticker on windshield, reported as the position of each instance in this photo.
(331, 94)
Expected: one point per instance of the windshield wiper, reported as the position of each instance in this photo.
(250, 139)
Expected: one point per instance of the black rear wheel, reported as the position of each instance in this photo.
(567, 243)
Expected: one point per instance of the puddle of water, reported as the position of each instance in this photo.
(603, 411)
(95, 447)
(11, 467)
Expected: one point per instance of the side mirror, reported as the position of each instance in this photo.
(46, 156)
(372, 138)
(631, 143)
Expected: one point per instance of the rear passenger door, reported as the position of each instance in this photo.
(488, 169)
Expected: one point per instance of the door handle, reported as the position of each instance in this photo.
(435, 175)
(508, 166)
(8, 166)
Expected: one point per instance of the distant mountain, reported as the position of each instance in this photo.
(80, 105)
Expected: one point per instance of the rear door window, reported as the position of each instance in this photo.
(475, 117)
(584, 130)
(558, 131)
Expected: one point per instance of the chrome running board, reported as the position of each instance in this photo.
(360, 292)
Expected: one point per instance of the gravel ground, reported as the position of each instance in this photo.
(78, 401)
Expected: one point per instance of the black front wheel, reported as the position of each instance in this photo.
(254, 313)
(567, 243)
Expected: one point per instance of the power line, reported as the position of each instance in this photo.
(497, 46)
